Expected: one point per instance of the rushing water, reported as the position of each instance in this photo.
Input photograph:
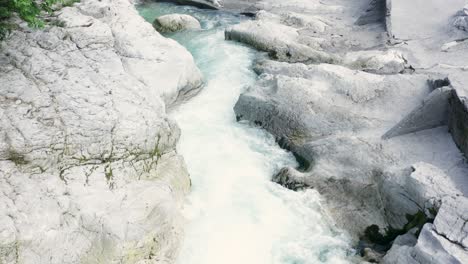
(235, 213)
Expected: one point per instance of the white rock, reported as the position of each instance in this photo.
(280, 41)
(432, 248)
(451, 221)
(382, 62)
(461, 19)
(88, 170)
(175, 22)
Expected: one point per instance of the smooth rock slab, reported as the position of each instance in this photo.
(452, 220)
(461, 19)
(320, 100)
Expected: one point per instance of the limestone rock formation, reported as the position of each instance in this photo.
(89, 170)
(175, 22)
(332, 117)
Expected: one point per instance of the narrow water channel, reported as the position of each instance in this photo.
(235, 214)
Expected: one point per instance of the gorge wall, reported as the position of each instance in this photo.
(88, 167)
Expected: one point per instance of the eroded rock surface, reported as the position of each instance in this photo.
(368, 74)
(89, 171)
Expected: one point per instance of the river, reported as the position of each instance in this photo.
(235, 214)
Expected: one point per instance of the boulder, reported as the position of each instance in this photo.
(380, 62)
(346, 182)
(175, 22)
(461, 19)
(280, 41)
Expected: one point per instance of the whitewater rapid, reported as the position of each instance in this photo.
(235, 214)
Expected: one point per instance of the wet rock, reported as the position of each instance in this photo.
(372, 256)
(348, 189)
(290, 178)
(175, 22)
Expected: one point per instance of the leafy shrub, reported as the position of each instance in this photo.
(31, 11)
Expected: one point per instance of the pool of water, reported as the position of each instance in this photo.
(235, 214)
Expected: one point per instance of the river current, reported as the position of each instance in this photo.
(235, 214)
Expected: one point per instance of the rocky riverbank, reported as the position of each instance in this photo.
(371, 98)
(88, 167)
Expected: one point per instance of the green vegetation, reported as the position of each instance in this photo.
(30, 11)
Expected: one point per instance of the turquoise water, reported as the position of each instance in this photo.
(235, 214)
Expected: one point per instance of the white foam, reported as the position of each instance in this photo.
(235, 213)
